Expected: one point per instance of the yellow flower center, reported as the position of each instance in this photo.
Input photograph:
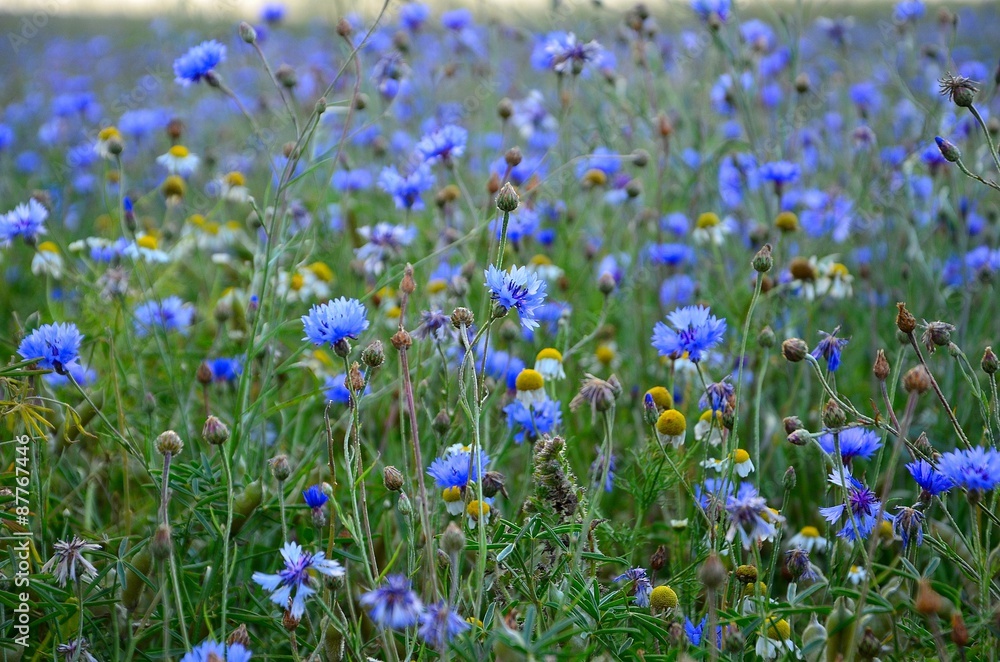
(663, 597)
(779, 630)
(477, 509)
(549, 353)
(437, 286)
(321, 271)
(322, 357)
(706, 416)
(196, 219)
(529, 380)
(48, 247)
(707, 220)
(178, 151)
(801, 269)
(297, 282)
(810, 532)
(595, 177)
(173, 186)
(885, 529)
(661, 397)
(233, 225)
(393, 313)
(838, 270)
(147, 241)
(211, 227)
(605, 354)
(235, 178)
(451, 494)
(541, 261)
(741, 456)
(787, 221)
(108, 133)
(671, 423)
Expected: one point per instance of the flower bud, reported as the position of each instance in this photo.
(401, 340)
(505, 108)
(494, 482)
(344, 28)
(247, 33)
(746, 574)
(403, 505)
(169, 442)
(794, 350)
(392, 479)
(712, 573)
(990, 363)
(513, 157)
(285, 75)
(762, 261)
(949, 150)
(765, 338)
(799, 437)
(342, 348)
(407, 285)
(905, 321)
(462, 317)
(373, 355)
(215, 431)
(792, 423)
(869, 647)
(917, 380)
(453, 539)
(162, 544)
(281, 469)
(789, 479)
(640, 158)
(441, 423)
(606, 284)
(881, 368)
(507, 198)
(833, 416)
(802, 83)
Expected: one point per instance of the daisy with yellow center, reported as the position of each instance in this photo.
(147, 247)
(856, 574)
(47, 260)
(479, 512)
(594, 177)
(660, 397)
(173, 188)
(834, 280)
(530, 387)
(709, 427)
(548, 363)
(671, 427)
(710, 230)
(179, 161)
(109, 143)
(606, 355)
(662, 598)
(742, 463)
(543, 267)
(787, 222)
(809, 539)
(777, 640)
(453, 501)
(234, 187)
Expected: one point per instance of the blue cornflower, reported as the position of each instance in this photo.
(273, 12)
(779, 173)
(518, 289)
(717, 396)
(81, 374)
(226, 369)
(439, 624)
(974, 469)
(434, 324)
(854, 442)
(798, 564)
(315, 497)
(298, 575)
(928, 478)
(694, 632)
(170, 314)
(393, 605)
(563, 53)
(705, 8)
(695, 331)
(53, 346)
(522, 224)
(456, 19)
(908, 10)
(714, 491)
(198, 62)
(351, 180)
(27, 220)
(602, 159)
(335, 389)
(532, 422)
(406, 190)
(210, 650)
(641, 586)
(453, 468)
(443, 144)
(860, 510)
(908, 524)
(750, 516)
(830, 348)
(677, 290)
(670, 254)
(413, 15)
(335, 321)
(383, 241)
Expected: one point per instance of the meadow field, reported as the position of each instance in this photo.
(589, 332)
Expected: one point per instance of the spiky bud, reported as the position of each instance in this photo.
(949, 150)
(799, 437)
(239, 636)
(215, 431)
(453, 539)
(881, 368)
(792, 423)
(712, 573)
(905, 321)
(990, 362)
(373, 355)
(404, 505)
(789, 479)
(833, 416)
(762, 261)
(462, 317)
(281, 469)
(507, 198)
(169, 442)
(401, 340)
(606, 284)
(765, 338)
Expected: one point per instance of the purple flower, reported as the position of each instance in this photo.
(210, 650)
(854, 442)
(641, 586)
(750, 516)
(299, 576)
(315, 497)
(406, 190)
(198, 62)
(439, 624)
(860, 508)
(517, 289)
(695, 331)
(53, 346)
(974, 469)
(170, 314)
(928, 478)
(705, 8)
(393, 605)
(532, 422)
(563, 53)
(829, 348)
(27, 220)
(908, 524)
(443, 144)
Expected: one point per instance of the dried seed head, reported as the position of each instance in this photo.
(881, 368)
(401, 340)
(961, 90)
(462, 317)
(355, 380)
(392, 479)
(239, 636)
(905, 321)
(289, 622)
(917, 380)
(407, 285)
(746, 574)
(659, 558)
(936, 334)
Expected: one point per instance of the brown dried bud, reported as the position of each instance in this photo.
(513, 157)
(392, 479)
(928, 602)
(356, 383)
(802, 83)
(344, 28)
(712, 573)
(493, 184)
(659, 558)
(204, 374)
(936, 334)
(239, 636)
(640, 158)
(493, 482)
(664, 125)
(881, 368)
(905, 321)
(990, 363)
(505, 108)
(175, 129)
(401, 340)
(917, 380)
(289, 622)
(408, 285)
(462, 317)
(959, 633)
(794, 350)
